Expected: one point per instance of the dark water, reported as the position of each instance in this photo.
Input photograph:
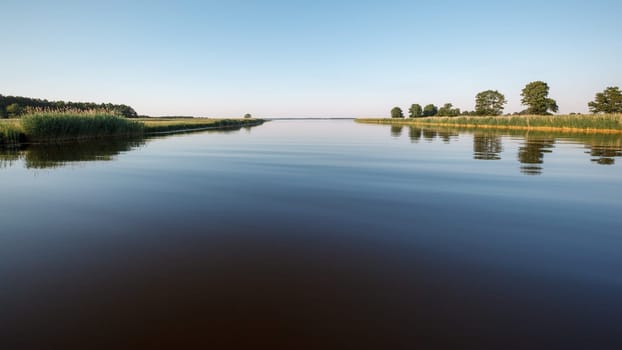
(314, 234)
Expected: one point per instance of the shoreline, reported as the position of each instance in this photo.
(200, 126)
(563, 129)
(150, 127)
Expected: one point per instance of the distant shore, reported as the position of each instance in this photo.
(594, 123)
(176, 125)
(55, 127)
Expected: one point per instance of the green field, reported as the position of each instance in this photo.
(611, 123)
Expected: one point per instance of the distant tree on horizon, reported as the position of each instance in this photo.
(468, 113)
(536, 98)
(448, 111)
(27, 102)
(248, 115)
(415, 111)
(489, 102)
(430, 110)
(14, 110)
(608, 101)
(396, 112)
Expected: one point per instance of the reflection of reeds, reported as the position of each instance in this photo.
(488, 143)
(589, 139)
(42, 156)
(582, 122)
(58, 155)
(8, 157)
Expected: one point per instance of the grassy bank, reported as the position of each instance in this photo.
(11, 132)
(54, 127)
(165, 125)
(65, 126)
(598, 123)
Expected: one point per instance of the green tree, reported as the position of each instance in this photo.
(396, 112)
(14, 110)
(489, 102)
(415, 110)
(608, 101)
(124, 110)
(26, 102)
(444, 110)
(448, 111)
(536, 98)
(430, 110)
(248, 115)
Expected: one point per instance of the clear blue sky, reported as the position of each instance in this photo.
(307, 58)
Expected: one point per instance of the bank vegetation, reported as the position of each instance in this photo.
(596, 123)
(74, 125)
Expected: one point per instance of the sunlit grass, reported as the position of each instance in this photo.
(11, 132)
(59, 126)
(46, 126)
(586, 122)
(155, 125)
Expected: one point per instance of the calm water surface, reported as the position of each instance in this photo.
(314, 234)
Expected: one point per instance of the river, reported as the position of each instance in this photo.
(314, 234)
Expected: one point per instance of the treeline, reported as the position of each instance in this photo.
(535, 96)
(16, 106)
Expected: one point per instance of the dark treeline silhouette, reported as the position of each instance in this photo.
(15, 106)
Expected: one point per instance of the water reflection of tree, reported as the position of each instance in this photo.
(605, 155)
(487, 147)
(396, 130)
(531, 154)
(414, 134)
(447, 135)
(59, 155)
(429, 134)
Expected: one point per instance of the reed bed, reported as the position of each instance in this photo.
(11, 132)
(581, 122)
(50, 126)
(162, 125)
